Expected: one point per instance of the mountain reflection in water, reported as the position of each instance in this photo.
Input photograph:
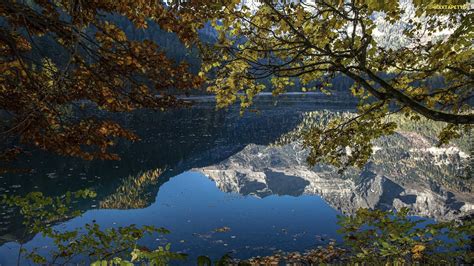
(161, 181)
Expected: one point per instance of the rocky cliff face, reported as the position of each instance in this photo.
(404, 171)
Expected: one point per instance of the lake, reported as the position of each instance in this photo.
(198, 171)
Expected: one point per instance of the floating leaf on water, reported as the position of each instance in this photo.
(222, 229)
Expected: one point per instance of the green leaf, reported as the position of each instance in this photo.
(204, 261)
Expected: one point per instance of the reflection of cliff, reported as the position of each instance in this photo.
(404, 171)
(133, 192)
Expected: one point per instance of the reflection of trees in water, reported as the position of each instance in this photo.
(425, 127)
(411, 153)
(132, 193)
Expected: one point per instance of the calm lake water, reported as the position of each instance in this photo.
(197, 170)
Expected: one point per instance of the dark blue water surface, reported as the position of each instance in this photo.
(218, 169)
(191, 207)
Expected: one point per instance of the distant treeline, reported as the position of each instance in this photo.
(170, 44)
